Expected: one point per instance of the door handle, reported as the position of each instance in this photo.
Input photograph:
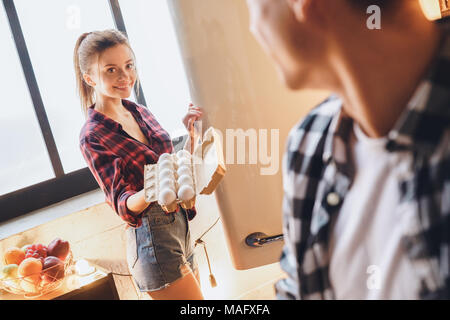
(258, 239)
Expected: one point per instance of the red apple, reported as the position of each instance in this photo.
(53, 269)
(58, 248)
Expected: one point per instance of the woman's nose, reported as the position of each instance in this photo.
(124, 74)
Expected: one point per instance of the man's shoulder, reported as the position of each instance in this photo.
(316, 123)
(330, 106)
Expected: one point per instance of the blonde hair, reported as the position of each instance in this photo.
(88, 46)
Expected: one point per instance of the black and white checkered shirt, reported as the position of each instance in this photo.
(318, 173)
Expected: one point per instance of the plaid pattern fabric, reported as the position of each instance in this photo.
(318, 172)
(117, 160)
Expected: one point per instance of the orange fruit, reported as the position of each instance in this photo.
(14, 256)
(30, 266)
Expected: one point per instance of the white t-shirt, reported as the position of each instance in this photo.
(367, 258)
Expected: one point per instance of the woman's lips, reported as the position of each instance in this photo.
(122, 88)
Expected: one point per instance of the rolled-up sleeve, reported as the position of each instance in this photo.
(108, 171)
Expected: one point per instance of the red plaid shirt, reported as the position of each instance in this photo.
(117, 160)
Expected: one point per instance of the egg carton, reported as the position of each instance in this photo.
(164, 182)
(206, 170)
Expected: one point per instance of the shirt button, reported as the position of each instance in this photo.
(333, 199)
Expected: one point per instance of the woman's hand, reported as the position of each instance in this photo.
(136, 203)
(194, 114)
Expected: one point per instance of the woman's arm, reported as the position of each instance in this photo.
(136, 203)
(107, 169)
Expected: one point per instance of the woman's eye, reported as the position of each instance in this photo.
(130, 66)
(110, 70)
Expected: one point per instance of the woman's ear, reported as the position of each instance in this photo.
(87, 78)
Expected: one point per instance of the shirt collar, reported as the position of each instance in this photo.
(421, 125)
(336, 143)
(95, 116)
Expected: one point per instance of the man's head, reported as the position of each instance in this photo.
(305, 36)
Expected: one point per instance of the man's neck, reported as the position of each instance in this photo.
(379, 74)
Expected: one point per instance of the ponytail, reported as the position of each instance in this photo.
(85, 92)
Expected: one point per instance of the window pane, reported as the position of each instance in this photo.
(51, 29)
(24, 160)
(153, 39)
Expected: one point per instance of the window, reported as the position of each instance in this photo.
(50, 43)
(22, 139)
(153, 39)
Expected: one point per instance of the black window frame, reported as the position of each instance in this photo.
(64, 185)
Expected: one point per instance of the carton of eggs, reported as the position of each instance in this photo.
(171, 181)
(176, 180)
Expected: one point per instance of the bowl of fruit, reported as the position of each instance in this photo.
(35, 269)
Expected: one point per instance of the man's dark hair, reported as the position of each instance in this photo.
(383, 4)
(388, 6)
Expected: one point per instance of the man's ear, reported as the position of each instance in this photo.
(300, 8)
(87, 78)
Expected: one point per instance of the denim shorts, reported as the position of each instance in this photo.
(158, 249)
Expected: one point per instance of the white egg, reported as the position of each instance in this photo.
(183, 162)
(186, 193)
(166, 173)
(185, 180)
(166, 196)
(184, 170)
(166, 164)
(165, 156)
(183, 154)
(167, 183)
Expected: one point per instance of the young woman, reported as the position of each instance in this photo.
(117, 140)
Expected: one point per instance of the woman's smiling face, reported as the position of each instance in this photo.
(114, 75)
